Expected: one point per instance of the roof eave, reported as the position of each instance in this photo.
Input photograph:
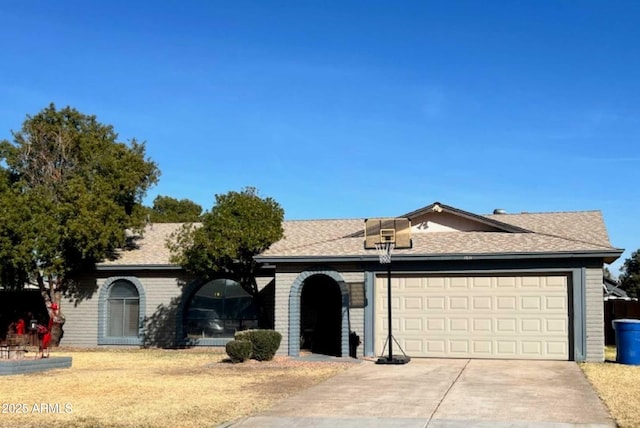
(114, 267)
(607, 256)
(164, 267)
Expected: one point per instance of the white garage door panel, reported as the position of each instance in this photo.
(476, 317)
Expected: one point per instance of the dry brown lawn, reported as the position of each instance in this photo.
(618, 386)
(152, 388)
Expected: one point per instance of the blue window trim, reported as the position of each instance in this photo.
(103, 296)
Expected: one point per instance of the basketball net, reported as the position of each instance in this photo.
(384, 251)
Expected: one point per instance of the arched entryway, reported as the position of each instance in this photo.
(321, 316)
(319, 313)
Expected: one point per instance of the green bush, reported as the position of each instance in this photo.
(265, 343)
(238, 350)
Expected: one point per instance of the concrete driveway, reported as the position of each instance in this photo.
(440, 393)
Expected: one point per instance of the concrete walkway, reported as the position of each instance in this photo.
(440, 393)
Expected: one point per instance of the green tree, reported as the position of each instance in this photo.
(69, 190)
(630, 275)
(240, 226)
(166, 209)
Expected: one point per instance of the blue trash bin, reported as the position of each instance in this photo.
(627, 341)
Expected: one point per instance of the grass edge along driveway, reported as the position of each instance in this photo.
(618, 387)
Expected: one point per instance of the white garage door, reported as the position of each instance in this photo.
(522, 317)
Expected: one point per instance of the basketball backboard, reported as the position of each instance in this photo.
(396, 230)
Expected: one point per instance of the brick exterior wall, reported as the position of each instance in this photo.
(594, 314)
(356, 315)
(81, 325)
(284, 281)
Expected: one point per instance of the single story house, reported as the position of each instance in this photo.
(515, 286)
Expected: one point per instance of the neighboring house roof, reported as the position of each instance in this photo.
(497, 235)
(612, 289)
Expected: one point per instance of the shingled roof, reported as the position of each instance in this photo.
(570, 232)
(581, 232)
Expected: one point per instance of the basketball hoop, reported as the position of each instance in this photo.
(384, 251)
(384, 235)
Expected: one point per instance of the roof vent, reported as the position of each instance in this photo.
(499, 211)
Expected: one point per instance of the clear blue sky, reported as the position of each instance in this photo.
(352, 108)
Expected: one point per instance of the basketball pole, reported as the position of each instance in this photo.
(389, 337)
(390, 359)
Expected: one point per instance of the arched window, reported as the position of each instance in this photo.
(123, 310)
(218, 309)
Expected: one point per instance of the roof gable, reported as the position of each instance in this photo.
(438, 217)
